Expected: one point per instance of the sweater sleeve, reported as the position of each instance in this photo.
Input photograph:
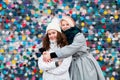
(63, 67)
(66, 51)
(45, 66)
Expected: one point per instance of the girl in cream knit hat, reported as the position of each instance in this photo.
(55, 69)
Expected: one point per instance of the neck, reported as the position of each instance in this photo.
(52, 41)
(70, 33)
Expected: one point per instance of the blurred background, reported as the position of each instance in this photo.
(23, 24)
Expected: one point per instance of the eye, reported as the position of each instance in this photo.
(67, 24)
(49, 34)
(53, 33)
(62, 25)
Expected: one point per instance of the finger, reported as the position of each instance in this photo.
(44, 52)
(50, 59)
(44, 59)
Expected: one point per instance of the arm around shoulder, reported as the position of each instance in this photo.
(78, 42)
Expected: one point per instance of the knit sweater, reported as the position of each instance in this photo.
(50, 71)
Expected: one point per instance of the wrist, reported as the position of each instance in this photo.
(56, 64)
(41, 50)
(53, 55)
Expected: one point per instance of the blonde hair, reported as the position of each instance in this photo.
(69, 20)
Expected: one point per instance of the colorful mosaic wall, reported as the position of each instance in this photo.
(23, 24)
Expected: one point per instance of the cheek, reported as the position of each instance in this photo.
(55, 35)
(68, 26)
(63, 27)
(49, 36)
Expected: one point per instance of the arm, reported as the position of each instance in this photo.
(45, 65)
(71, 49)
(62, 68)
(39, 50)
(40, 45)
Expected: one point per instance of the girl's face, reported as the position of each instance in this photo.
(52, 34)
(64, 25)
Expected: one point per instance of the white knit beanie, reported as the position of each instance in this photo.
(55, 20)
(69, 20)
(53, 26)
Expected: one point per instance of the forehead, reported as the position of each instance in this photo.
(64, 21)
(51, 30)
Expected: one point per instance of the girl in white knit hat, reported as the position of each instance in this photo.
(83, 65)
(56, 69)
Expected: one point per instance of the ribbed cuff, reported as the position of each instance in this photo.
(41, 50)
(53, 55)
(56, 64)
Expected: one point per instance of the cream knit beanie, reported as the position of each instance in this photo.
(55, 25)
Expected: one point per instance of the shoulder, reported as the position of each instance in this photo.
(79, 35)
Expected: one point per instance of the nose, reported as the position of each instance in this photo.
(51, 35)
(64, 26)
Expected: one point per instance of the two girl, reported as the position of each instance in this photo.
(83, 65)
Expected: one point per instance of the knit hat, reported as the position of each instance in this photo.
(69, 20)
(53, 26)
(55, 20)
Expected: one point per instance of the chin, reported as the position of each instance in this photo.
(52, 40)
(64, 29)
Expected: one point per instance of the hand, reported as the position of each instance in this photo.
(46, 56)
(59, 62)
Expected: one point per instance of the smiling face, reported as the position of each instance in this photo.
(52, 34)
(65, 25)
